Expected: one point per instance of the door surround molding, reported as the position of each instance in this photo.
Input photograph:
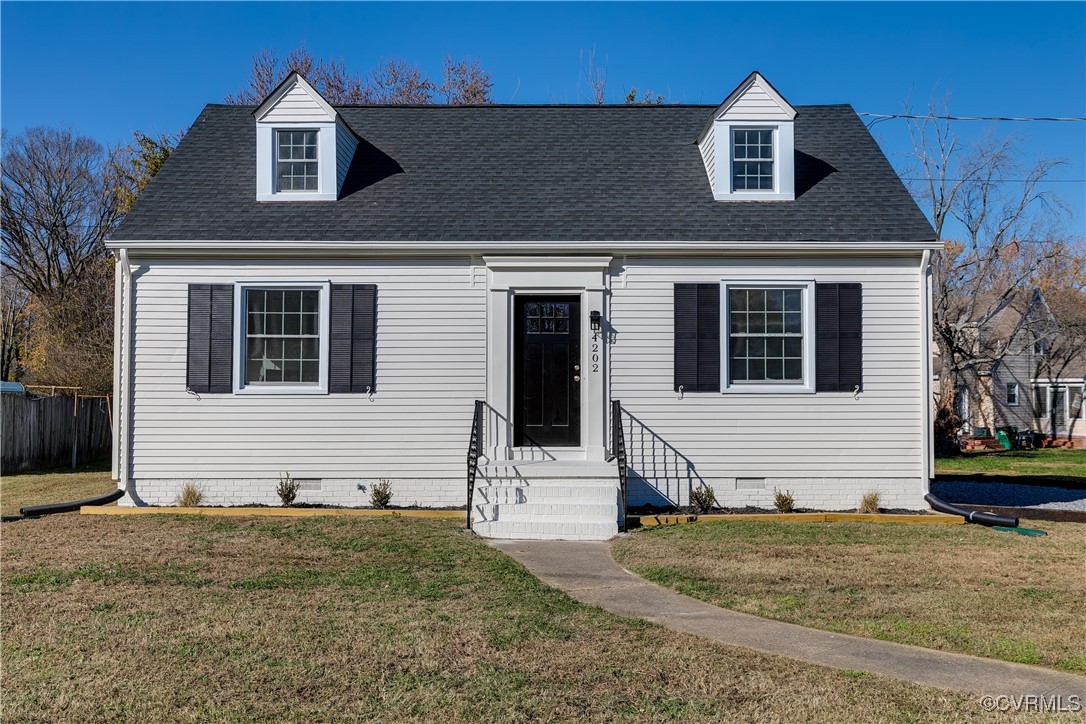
(507, 276)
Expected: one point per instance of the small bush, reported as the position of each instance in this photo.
(380, 494)
(191, 495)
(287, 490)
(703, 498)
(783, 501)
(869, 503)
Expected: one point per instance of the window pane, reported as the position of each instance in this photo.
(737, 300)
(273, 323)
(793, 369)
(311, 301)
(756, 323)
(309, 323)
(774, 369)
(292, 324)
(792, 300)
(793, 322)
(311, 372)
(739, 322)
(774, 322)
(756, 369)
(292, 301)
(292, 371)
(774, 300)
(793, 347)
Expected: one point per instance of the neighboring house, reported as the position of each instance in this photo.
(1037, 385)
(326, 291)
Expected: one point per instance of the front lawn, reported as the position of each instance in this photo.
(961, 588)
(1052, 462)
(53, 486)
(157, 618)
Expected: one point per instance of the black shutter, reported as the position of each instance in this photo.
(353, 327)
(838, 337)
(210, 357)
(697, 337)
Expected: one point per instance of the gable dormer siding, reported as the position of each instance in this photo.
(707, 147)
(346, 144)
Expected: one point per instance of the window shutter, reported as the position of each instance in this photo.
(353, 326)
(210, 358)
(697, 337)
(838, 337)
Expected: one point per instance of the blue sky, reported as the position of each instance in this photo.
(107, 69)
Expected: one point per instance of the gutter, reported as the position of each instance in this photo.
(302, 248)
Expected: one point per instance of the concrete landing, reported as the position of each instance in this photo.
(586, 571)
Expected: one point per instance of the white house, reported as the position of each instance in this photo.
(326, 291)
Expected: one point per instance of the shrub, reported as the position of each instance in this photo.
(287, 490)
(191, 495)
(783, 501)
(869, 503)
(380, 494)
(703, 498)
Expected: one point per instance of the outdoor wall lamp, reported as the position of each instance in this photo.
(594, 320)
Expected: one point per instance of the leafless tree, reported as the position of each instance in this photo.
(1011, 229)
(595, 76)
(464, 82)
(14, 327)
(395, 82)
(58, 205)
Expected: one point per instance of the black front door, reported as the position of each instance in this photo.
(547, 370)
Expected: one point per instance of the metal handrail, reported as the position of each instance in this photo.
(473, 453)
(618, 450)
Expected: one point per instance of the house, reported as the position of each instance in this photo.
(326, 291)
(1036, 380)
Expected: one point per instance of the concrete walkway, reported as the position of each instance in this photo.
(587, 572)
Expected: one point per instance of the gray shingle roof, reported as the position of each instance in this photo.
(528, 173)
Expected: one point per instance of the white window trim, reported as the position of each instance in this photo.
(784, 172)
(807, 386)
(300, 193)
(1017, 395)
(775, 161)
(240, 388)
(267, 153)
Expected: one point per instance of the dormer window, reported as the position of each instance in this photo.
(748, 145)
(752, 159)
(303, 146)
(296, 161)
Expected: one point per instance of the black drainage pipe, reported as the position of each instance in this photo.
(971, 516)
(71, 507)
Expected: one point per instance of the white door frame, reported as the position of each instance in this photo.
(508, 276)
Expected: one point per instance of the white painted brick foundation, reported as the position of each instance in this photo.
(838, 494)
(440, 493)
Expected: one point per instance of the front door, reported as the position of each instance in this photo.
(547, 370)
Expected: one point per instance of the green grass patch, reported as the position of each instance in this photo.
(1056, 462)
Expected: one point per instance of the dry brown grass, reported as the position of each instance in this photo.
(957, 588)
(177, 618)
(53, 486)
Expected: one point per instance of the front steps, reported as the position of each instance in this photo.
(549, 500)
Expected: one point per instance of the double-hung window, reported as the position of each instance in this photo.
(296, 161)
(769, 336)
(1012, 394)
(752, 159)
(284, 337)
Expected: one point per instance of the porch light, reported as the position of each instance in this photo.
(594, 320)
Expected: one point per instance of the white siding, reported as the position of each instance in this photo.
(345, 147)
(707, 146)
(756, 105)
(430, 367)
(788, 438)
(296, 106)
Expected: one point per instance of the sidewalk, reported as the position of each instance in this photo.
(586, 571)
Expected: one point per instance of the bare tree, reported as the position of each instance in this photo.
(648, 98)
(395, 82)
(464, 82)
(14, 327)
(58, 205)
(331, 79)
(595, 77)
(1011, 229)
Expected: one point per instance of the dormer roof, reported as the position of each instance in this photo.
(755, 99)
(295, 100)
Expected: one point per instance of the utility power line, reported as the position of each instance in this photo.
(888, 116)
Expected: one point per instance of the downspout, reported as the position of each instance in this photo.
(124, 408)
(118, 309)
(926, 432)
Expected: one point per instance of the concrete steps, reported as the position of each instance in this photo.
(552, 500)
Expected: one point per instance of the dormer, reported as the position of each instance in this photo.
(303, 146)
(748, 146)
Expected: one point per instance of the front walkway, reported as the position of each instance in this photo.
(586, 571)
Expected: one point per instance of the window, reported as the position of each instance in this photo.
(296, 161)
(752, 159)
(765, 335)
(1040, 401)
(282, 334)
(1012, 394)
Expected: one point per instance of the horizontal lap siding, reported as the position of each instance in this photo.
(430, 368)
(771, 435)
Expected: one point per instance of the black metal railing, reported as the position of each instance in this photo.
(473, 453)
(618, 450)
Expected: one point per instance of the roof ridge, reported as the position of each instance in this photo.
(582, 106)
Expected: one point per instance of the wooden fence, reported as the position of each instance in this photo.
(51, 432)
